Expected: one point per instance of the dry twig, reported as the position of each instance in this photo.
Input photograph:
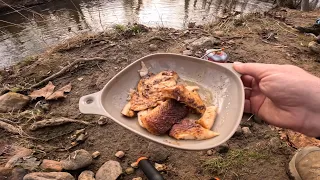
(10, 128)
(54, 122)
(66, 68)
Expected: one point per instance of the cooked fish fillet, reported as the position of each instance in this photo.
(160, 119)
(188, 129)
(149, 89)
(192, 88)
(127, 111)
(208, 117)
(182, 94)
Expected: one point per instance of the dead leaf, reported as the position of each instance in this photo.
(299, 140)
(60, 93)
(43, 92)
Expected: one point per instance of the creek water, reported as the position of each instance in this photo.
(30, 30)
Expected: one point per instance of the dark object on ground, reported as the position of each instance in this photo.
(314, 29)
(148, 169)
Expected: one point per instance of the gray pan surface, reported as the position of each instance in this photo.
(220, 85)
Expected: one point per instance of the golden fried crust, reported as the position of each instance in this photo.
(208, 117)
(188, 129)
(149, 89)
(182, 94)
(159, 120)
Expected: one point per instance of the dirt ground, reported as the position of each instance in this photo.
(258, 156)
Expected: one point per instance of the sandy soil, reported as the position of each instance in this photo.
(253, 157)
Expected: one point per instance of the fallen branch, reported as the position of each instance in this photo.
(10, 128)
(54, 122)
(7, 121)
(66, 68)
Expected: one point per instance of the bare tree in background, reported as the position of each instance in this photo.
(305, 5)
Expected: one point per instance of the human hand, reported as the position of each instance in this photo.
(283, 95)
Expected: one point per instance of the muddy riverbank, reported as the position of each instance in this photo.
(255, 154)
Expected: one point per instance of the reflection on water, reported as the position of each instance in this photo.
(33, 29)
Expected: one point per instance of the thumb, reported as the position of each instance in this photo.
(256, 70)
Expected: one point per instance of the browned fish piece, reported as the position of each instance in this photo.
(182, 94)
(127, 111)
(188, 129)
(160, 119)
(149, 90)
(208, 117)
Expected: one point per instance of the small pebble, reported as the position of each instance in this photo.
(160, 167)
(134, 165)
(74, 143)
(246, 131)
(119, 154)
(137, 178)
(80, 138)
(223, 148)
(209, 152)
(95, 154)
(153, 47)
(187, 53)
(129, 170)
(116, 68)
(238, 131)
(102, 121)
(79, 131)
(40, 147)
(80, 78)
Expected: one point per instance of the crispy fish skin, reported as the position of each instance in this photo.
(208, 117)
(187, 129)
(149, 89)
(159, 120)
(182, 94)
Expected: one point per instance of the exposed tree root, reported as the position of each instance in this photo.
(65, 69)
(54, 122)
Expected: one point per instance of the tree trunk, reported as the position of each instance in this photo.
(305, 5)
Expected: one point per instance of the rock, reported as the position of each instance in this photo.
(81, 138)
(275, 143)
(157, 153)
(51, 165)
(78, 159)
(188, 41)
(238, 131)
(95, 154)
(246, 131)
(218, 33)
(191, 24)
(204, 42)
(119, 154)
(160, 167)
(13, 102)
(48, 176)
(137, 178)
(12, 174)
(102, 120)
(80, 131)
(110, 170)
(209, 152)
(129, 170)
(18, 173)
(187, 53)
(153, 47)
(314, 47)
(134, 165)
(86, 175)
(18, 153)
(223, 148)
(5, 173)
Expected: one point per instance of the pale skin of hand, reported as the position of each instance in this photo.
(283, 95)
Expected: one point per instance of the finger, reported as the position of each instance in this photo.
(247, 80)
(247, 106)
(257, 70)
(247, 93)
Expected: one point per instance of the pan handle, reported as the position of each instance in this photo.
(230, 67)
(90, 104)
